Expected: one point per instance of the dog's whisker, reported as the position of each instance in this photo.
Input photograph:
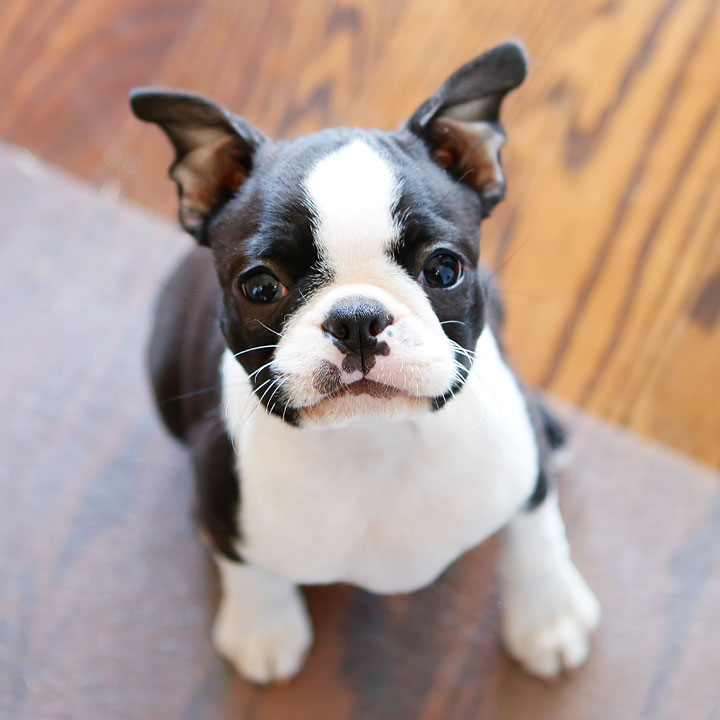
(192, 393)
(267, 390)
(262, 367)
(285, 409)
(268, 328)
(200, 391)
(258, 347)
(254, 391)
(279, 386)
(461, 349)
(272, 382)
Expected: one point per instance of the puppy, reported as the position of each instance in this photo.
(332, 358)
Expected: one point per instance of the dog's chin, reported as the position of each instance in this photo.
(364, 399)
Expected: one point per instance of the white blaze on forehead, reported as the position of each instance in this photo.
(353, 191)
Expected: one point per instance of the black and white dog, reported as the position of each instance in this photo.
(334, 364)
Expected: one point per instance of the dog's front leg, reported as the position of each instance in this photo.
(262, 626)
(548, 611)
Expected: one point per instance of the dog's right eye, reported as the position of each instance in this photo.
(262, 287)
(442, 270)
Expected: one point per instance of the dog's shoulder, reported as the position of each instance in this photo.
(186, 344)
(184, 358)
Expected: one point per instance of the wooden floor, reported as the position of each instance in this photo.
(106, 595)
(609, 242)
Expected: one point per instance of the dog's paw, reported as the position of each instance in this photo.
(548, 621)
(265, 648)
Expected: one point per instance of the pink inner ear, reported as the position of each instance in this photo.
(470, 149)
(231, 170)
(207, 174)
(444, 158)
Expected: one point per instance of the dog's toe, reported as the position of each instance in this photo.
(563, 644)
(264, 652)
(548, 628)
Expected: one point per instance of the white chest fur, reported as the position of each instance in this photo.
(380, 504)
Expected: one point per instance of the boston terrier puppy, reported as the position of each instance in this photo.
(332, 358)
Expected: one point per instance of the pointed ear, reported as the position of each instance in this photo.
(214, 150)
(460, 124)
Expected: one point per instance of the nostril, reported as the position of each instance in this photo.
(337, 328)
(379, 323)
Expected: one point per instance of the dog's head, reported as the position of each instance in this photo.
(347, 258)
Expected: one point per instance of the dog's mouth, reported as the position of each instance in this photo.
(361, 398)
(365, 387)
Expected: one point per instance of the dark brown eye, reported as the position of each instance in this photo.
(262, 287)
(442, 270)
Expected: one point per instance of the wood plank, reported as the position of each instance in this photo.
(65, 70)
(612, 157)
(107, 595)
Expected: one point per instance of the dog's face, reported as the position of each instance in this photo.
(347, 258)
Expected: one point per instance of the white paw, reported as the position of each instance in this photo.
(548, 621)
(266, 646)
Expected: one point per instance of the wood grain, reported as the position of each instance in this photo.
(107, 596)
(608, 243)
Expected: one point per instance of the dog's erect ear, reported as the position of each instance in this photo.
(460, 123)
(214, 150)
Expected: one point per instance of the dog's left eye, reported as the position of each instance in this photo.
(442, 270)
(262, 287)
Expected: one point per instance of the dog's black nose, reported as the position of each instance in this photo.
(354, 324)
